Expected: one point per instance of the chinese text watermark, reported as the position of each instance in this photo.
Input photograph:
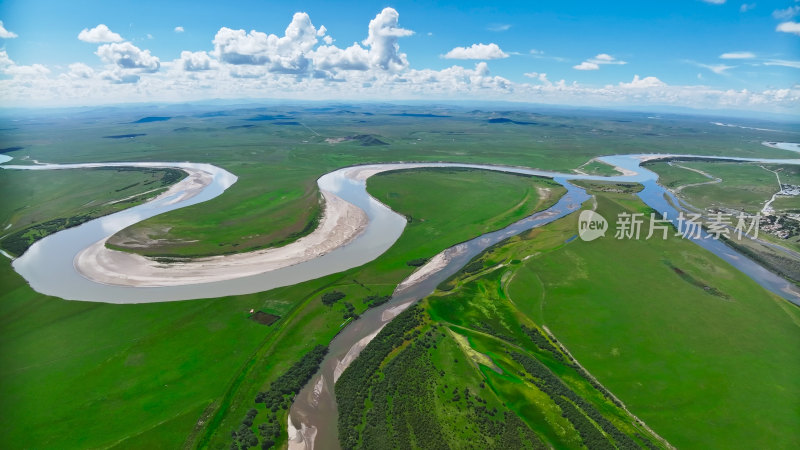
(592, 225)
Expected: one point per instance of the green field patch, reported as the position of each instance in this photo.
(736, 356)
(40, 203)
(599, 168)
(606, 186)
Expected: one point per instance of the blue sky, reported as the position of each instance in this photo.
(690, 51)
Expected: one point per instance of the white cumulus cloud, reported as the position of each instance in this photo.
(586, 65)
(597, 61)
(476, 51)
(128, 56)
(329, 57)
(195, 61)
(605, 58)
(646, 82)
(715, 2)
(80, 70)
(179, 29)
(284, 54)
(303, 63)
(789, 27)
(99, 34)
(5, 61)
(5, 34)
(382, 39)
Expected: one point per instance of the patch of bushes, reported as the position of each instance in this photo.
(417, 262)
(329, 298)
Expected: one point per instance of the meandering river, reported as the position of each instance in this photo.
(48, 265)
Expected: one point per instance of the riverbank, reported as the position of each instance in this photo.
(341, 222)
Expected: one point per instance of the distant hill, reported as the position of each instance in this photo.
(417, 115)
(366, 140)
(262, 117)
(152, 119)
(507, 120)
(123, 136)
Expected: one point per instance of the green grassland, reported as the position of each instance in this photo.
(699, 352)
(161, 368)
(744, 187)
(457, 376)
(275, 199)
(76, 374)
(672, 176)
(599, 168)
(38, 203)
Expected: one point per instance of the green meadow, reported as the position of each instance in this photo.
(745, 187)
(705, 368)
(38, 203)
(158, 369)
(701, 354)
(278, 152)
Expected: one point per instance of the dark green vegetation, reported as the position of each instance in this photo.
(39, 203)
(187, 373)
(410, 403)
(774, 259)
(332, 297)
(601, 186)
(264, 318)
(277, 398)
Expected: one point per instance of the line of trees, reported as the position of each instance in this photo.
(278, 397)
(571, 405)
(352, 388)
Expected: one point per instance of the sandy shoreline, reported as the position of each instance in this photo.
(341, 222)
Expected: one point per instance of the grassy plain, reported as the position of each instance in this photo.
(161, 367)
(672, 176)
(599, 168)
(76, 374)
(32, 200)
(275, 201)
(690, 337)
(745, 187)
(701, 353)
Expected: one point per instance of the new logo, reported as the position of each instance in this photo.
(591, 225)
